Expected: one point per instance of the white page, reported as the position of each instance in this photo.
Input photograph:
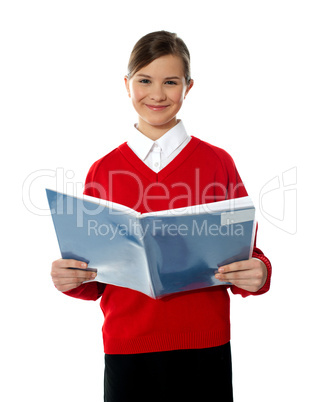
(213, 207)
(218, 206)
(104, 203)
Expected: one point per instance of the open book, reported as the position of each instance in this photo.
(156, 253)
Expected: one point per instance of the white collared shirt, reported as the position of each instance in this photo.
(158, 154)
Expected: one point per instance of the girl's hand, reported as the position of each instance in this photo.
(249, 275)
(65, 278)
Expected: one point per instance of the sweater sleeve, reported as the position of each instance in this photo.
(257, 253)
(90, 290)
(87, 291)
(237, 189)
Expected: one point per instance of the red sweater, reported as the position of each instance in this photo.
(135, 323)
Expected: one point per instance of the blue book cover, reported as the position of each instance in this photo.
(157, 253)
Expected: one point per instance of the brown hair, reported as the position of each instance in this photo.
(154, 45)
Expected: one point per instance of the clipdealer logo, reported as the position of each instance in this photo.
(277, 198)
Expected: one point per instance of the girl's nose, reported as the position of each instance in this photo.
(158, 94)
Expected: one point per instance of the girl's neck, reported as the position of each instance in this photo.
(155, 132)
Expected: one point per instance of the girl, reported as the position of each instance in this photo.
(176, 348)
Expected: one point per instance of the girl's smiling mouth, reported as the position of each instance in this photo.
(157, 108)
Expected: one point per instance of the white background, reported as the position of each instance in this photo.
(64, 105)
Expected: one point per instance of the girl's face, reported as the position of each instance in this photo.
(157, 92)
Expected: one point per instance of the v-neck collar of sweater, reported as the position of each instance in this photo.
(152, 176)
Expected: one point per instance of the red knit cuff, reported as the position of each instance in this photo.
(267, 284)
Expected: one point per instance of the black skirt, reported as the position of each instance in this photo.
(179, 375)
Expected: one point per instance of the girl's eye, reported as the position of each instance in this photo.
(171, 83)
(144, 81)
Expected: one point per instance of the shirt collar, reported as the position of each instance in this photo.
(168, 143)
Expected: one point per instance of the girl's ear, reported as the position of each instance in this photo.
(127, 85)
(190, 85)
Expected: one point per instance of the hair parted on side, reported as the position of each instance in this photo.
(157, 44)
